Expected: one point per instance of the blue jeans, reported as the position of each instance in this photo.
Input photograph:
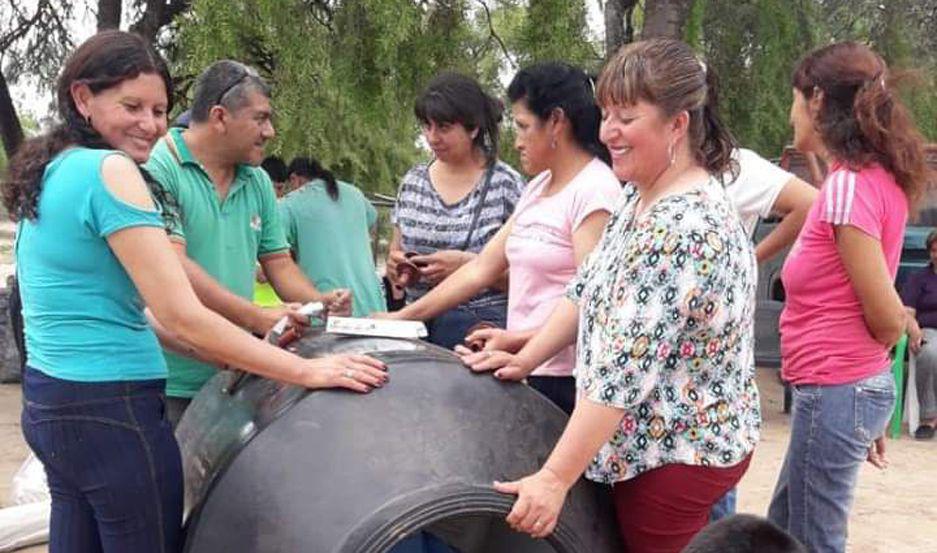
(112, 462)
(831, 430)
(725, 507)
(450, 328)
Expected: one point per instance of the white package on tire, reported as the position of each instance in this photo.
(23, 525)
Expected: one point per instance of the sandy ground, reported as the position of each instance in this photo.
(895, 509)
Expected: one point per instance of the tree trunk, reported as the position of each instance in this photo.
(665, 18)
(156, 15)
(108, 14)
(10, 129)
(617, 24)
(151, 20)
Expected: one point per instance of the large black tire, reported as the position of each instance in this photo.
(12, 341)
(274, 468)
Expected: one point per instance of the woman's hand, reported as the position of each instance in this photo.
(387, 315)
(394, 259)
(496, 339)
(506, 366)
(360, 373)
(540, 499)
(435, 267)
(877, 453)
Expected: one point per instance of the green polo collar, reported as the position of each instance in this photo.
(185, 155)
(242, 174)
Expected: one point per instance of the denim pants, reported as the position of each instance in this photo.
(725, 507)
(561, 390)
(112, 462)
(831, 430)
(450, 328)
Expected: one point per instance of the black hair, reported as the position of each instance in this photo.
(276, 168)
(744, 534)
(931, 239)
(225, 83)
(455, 98)
(102, 62)
(552, 85)
(311, 169)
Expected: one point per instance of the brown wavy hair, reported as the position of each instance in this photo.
(103, 61)
(861, 119)
(668, 74)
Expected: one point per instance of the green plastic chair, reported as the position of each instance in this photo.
(897, 369)
(264, 295)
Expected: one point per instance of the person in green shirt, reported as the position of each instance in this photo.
(327, 224)
(227, 215)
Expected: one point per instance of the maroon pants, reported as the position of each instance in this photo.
(661, 510)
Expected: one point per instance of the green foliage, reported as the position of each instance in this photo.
(556, 30)
(752, 45)
(755, 44)
(346, 72)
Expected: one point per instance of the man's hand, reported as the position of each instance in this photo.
(915, 338)
(267, 317)
(338, 302)
(435, 267)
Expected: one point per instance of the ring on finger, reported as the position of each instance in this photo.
(349, 373)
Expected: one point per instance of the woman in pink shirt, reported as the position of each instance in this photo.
(556, 223)
(842, 313)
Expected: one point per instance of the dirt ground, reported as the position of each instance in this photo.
(895, 509)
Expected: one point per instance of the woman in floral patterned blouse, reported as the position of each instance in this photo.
(668, 411)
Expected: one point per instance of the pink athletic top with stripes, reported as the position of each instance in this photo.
(824, 338)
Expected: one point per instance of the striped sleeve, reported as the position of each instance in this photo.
(848, 198)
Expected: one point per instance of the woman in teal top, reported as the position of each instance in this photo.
(91, 251)
(328, 224)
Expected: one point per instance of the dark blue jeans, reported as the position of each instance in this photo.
(112, 463)
(450, 328)
(561, 390)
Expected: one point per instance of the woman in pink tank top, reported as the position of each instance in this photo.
(842, 313)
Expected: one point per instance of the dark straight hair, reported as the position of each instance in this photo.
(547, 86)
(311, 169)
(455, 98)
(103, 61)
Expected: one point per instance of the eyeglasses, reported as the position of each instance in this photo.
(244, 73)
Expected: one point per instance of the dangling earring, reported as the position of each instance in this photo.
(88, 119)
(553, 144)
(672, 154)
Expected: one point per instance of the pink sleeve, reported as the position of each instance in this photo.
(850, 198)
(593, 197)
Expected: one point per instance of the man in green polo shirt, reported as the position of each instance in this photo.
(228, 214)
